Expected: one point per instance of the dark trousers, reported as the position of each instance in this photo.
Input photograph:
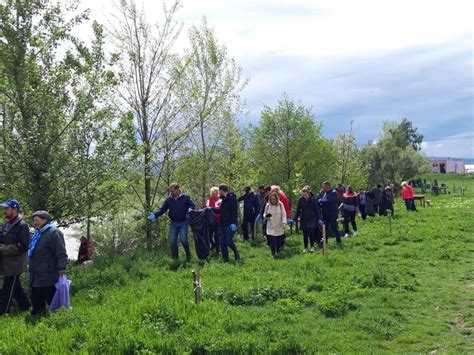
(309, 234)
(12, 290)
(331, 222)
(349, 216)
(40, 297)
(276, 243)
(248, 220)
(377, 208)
(362, 212)
(226, 240)
(214, 237)
(410, 204)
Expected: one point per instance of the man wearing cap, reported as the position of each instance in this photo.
(48, 260)
(14, 240)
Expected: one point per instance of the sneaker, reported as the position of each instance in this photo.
(312, 250)
(354, 234)
(305, 250)
(346, 235)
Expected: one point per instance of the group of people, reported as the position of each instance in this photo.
(43, 255)
(271, 206)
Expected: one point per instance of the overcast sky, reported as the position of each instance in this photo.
(364, 60)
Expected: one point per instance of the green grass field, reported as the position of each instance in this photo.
(411, 291)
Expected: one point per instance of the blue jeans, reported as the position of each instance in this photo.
(179, 229)
(226, 240)
(331, 222)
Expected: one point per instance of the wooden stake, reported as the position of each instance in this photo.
(325, 244)
(197, 287)
(389, 212)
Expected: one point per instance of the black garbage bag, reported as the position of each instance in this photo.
(200, 222)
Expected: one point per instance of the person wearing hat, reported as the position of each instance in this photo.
(14, 240)
(48, 260)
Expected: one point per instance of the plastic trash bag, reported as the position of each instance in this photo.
(61, 297)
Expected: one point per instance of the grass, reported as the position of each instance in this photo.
(406, 292)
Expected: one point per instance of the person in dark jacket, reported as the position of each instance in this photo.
(261, 197)
(330, 209)
(251, 210)
(362, 196)
(267, 190)
(14, 241)
(310, 217)
(228, 224)
(48, 260)
(377, 197)
(350, 206)
(178, 206)
(83, 254)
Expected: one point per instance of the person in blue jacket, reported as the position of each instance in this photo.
(251, 211)
(228, 223)
(330, 209)
(178, 206)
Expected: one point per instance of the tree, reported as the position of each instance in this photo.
(280, 144)
(404, 134)
(51, 86)
(151, 75)
(391, 161)
(215, 82)
(349, 167)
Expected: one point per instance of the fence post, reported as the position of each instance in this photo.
(197, 287)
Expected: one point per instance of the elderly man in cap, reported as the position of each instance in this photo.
(14, 240)
(48, 260)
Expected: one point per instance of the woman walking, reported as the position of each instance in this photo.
(350, 206)
(408, 196)
(48, 260)
(275, 216)
(308, 211)
(214, 202)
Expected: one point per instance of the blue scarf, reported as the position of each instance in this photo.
(36, 237)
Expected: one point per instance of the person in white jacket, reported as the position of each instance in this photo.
(276, 221)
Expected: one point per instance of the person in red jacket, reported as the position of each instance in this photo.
(214, 202)
(408, 196)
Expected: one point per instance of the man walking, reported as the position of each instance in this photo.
(251, 210)
(14, 241)
(178, 206)
(329, 207)
(228, 225)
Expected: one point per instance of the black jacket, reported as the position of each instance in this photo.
(48, 258)
(308, 211)
(200, 222)
(13, 254)
(251, 204)
(228, 210)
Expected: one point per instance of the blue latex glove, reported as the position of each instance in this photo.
(233, 227)
(321, 222)
(290, 222)
(189, 210)
(259, 218)
(151, 216)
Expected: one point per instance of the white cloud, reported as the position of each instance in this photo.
(458, 145)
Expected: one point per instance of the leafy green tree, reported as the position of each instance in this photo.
(52, 90)
(149, 95)
(391, 161)
(215, 82)
(287, 145)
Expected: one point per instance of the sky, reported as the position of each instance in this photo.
(365, 60)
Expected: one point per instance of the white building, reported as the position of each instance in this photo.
(447, 165)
